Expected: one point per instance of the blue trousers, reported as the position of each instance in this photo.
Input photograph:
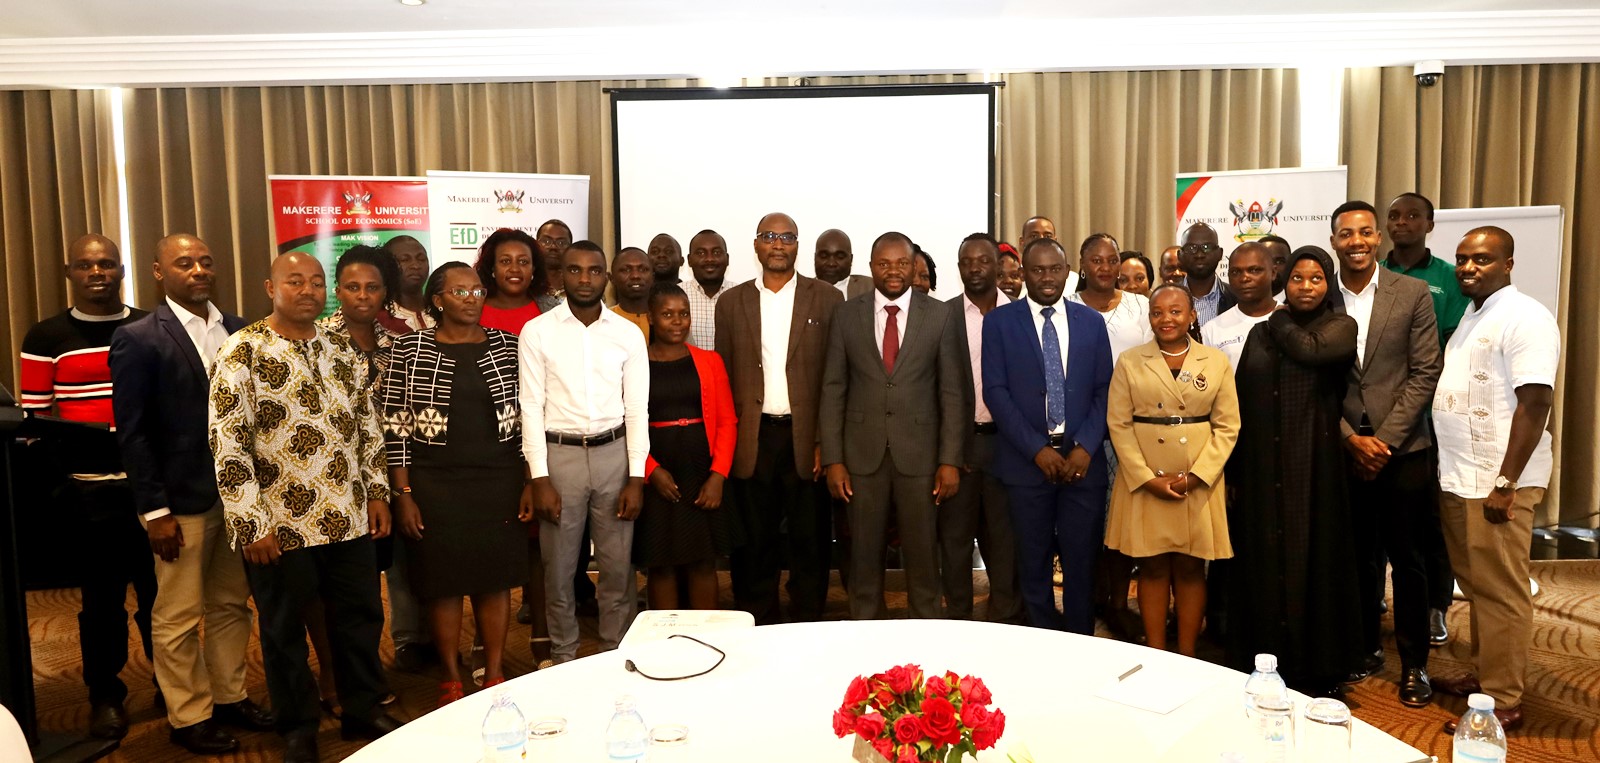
(1069, 520)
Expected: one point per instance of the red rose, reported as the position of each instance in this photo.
(936, 687)
(857, 692)
(984, 737)
(939, 721)
(903, 678)
(844, 721)
(869, 726)
(907, 754)
(882, 697)
(973, 690)
(908, 729)
(974, 715)
(884, 747)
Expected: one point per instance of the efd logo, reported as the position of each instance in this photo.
(357, 203)
(1256, 221)
(510, 201)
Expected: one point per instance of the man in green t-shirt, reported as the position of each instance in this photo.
(1410, 220)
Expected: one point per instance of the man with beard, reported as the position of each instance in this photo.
(1035, 228)
(631, 279)
(708, 262)
(554, 237)
(1199, 256)
(1250, 279)
(666, 259)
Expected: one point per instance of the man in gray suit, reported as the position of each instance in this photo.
(894, 417)
(1386, 435)
(832, 264)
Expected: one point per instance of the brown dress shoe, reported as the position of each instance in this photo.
(1462, 685)
(1509, 720)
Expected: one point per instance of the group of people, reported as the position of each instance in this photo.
(1257, 447)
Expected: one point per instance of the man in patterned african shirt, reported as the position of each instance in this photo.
(301, 470)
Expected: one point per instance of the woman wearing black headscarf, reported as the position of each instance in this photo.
(1293, 577)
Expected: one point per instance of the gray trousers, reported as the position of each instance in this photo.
(589, 481)
(911, 500)
(978, 511)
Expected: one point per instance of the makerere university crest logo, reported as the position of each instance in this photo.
(1256, 221)
(509, 200)
(357, 203)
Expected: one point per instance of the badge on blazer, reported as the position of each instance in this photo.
(1184, 377)
(1200, 382)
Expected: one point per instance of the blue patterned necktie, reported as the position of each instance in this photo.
(1055, 385)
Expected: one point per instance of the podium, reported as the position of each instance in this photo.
(16, 667)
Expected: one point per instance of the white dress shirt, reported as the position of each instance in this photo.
(1358, 305)
(844, 287)
(207, 333)
(974, 318)
(703, 313)
(777, 315)
(584, 380)
(1229, 331)
(880, 316)
(1059, 320)
(1511, 341)
(1127, 324)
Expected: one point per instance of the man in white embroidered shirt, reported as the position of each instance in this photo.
(1490, 412)
(584, 387)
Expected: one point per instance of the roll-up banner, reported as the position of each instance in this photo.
(468, 206)
(1243, 206)
(325, 215)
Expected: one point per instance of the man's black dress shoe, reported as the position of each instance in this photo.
(204, 738)
(108, 720)
(300, 747)
(244, 714)
(1438, 631)
(1415, 690)
(1370, 664)
(382, 724)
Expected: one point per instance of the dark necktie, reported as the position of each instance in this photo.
(1055, 385)
(891, 338)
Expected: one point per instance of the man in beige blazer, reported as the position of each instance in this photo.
(772, 333)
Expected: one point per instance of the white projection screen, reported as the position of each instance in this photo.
(916, 159)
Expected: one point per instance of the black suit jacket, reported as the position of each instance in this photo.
(160, 395)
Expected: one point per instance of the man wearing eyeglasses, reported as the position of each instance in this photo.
(1199, 254)
(554, 238)
(772, 332)
(1038, 227)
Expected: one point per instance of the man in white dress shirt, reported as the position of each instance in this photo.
(584, 389)
(1490, 412)
(1250, 277)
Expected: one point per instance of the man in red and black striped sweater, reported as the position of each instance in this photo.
(64, 371)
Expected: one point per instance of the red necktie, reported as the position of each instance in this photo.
(891, 338)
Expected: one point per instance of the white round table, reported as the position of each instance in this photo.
(774, 696)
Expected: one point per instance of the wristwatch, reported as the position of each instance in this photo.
(1501, 482)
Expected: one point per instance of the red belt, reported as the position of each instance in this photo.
(676, 423)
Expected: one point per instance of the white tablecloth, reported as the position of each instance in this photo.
(774, 696)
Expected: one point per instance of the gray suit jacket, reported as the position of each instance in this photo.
(923, 411)
(1393, 381)
(857, 286)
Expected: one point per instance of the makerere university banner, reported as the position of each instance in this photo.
(325, 215)
(1294, 204)
(468, 206)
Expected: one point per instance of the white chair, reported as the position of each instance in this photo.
(13, 745)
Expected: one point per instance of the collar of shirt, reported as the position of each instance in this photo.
(563, 312)
(87, 318)
(695, 288)
(1215, 293)
(1367, 291)
(969, 307)
(1496, 298)
(213, 315)
(880, 301)
(786, 289)
(1038, 309)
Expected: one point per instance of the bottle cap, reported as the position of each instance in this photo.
(1266, 663)
(1482, 702)
(625, 703)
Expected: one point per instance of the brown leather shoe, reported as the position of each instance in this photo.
(1461, 685)
(1509, 720)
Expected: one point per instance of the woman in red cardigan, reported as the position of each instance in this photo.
(683, 528)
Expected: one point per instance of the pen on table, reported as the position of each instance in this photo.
(1131, 671)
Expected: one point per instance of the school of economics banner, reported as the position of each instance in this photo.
(325, 215)
(468, 206)
(1244, 206)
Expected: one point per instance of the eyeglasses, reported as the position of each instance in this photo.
(1200, 248)
(464, 293)
(771, 236)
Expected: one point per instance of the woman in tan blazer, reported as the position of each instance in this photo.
(1173, 417)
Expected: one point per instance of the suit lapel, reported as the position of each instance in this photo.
(1382, 301)
(186, 348)
(1157, 363)
(916, 323)
(802, 308)
(750, 302)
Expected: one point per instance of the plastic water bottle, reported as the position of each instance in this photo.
(1479, 738)
(505, 730)
(1270, 710)
(626, 737)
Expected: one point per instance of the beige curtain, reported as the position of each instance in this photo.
(57, 182)
(1503, 136)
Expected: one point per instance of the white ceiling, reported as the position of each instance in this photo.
(79, 43)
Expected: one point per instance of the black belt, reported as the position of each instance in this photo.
(1171, 421)
(985, 427)
(777, 418)
(1057, 440)
(585, 440)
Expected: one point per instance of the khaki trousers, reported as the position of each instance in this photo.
(1491, 565)
(206, 582)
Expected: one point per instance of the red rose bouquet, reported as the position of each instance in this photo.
(904, 718)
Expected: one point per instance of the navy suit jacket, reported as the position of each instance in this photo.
(1013, 387)
(160, 395)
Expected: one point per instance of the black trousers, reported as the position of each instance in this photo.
(118, 554)
(1396, 515)
(1435, 557)
(781, 518)
(344, 576)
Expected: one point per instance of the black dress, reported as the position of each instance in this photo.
(468, 490)
(669, 533)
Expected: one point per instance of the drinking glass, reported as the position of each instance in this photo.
(548, 741)
(1327, 733)
(669, 743)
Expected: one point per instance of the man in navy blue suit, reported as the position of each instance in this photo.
(1046, 368)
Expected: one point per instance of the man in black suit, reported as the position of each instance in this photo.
(894, 349)
(160, 392)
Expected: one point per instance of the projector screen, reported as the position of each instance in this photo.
(865, 160)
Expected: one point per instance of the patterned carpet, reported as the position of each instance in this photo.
(1562, 708)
